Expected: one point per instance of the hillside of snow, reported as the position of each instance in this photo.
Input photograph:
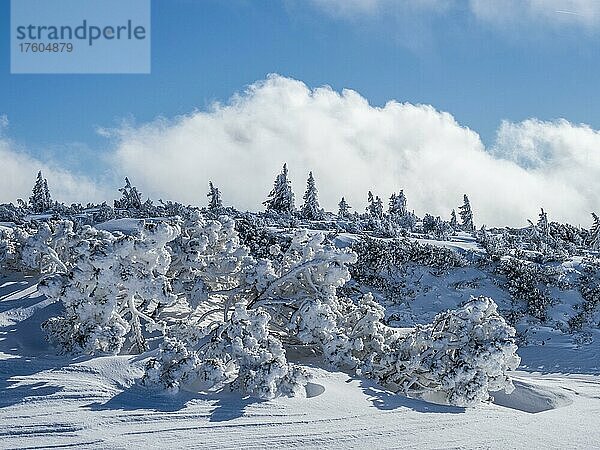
(95, 402)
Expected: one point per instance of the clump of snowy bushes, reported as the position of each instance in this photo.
(589, 288)
(527, 284)
(220, 317)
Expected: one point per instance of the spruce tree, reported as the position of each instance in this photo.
(397, 207)
(453, 221)
(215, 203)
(466, 215)
(543, 226)
(131, 197)
(595, 233)
(281, 197)
(40, 200)
(344, 209)
(310, 209)
(378, 208)
(374, 206)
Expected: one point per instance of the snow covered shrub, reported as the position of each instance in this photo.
(11, 213)
(241, 353)
(113, 283)
(48, 249)
(12, 240)
(207, 257)
(458, 359)
(589, 288)
(258, 238)
(293, 300)
(526, 282)
(380, 262)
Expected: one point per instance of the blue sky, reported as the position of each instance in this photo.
(481, 65)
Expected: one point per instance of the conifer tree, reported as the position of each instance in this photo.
(310, 209)
(543, 226)
(453, 221)
(466, 215)
(378, 208)
(40, 200)
(398, 205)
(215, 203)
(595, 233)
(131, 199)
(374, 206)
(344, 209)
(281, 197)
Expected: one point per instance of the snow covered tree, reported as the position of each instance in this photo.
(281, 197)
(466, 216)
(543, 226)
(374, 206)
(131, 199)
(114, 282)
(453, 221)
(343, 209)
(311, 210)
(397, 206)
(594, 239)
(214, 194)
(40, 199)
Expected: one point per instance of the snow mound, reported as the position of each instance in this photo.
(532, 398)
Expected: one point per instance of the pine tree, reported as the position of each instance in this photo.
(543, 226)
(453, 221)
(310, 209)
(370, 201)
(378, 208)
(215, 203)
(595, 233)
(398, 205)
(281, 198)
(344, 209)
(40, 200)
(375, 206)
(466, 215)
(131, 199)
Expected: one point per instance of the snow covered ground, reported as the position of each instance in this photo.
(49, 401)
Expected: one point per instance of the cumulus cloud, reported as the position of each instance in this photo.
(353, 147)
(19, 170)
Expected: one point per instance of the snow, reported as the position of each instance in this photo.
(49, 401)
(125, 225)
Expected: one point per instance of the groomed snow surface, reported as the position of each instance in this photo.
(52, 402)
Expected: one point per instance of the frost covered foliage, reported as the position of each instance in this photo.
(457, 359)
(207, 257)
(278, 295)
(379, 260)
(113, 284)
(242, 354)
(292, 300)
(589, 288)
(526, 282)
(259, 239)
(11, 213)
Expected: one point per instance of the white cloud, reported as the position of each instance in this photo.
(20, 169)
(352, 147)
